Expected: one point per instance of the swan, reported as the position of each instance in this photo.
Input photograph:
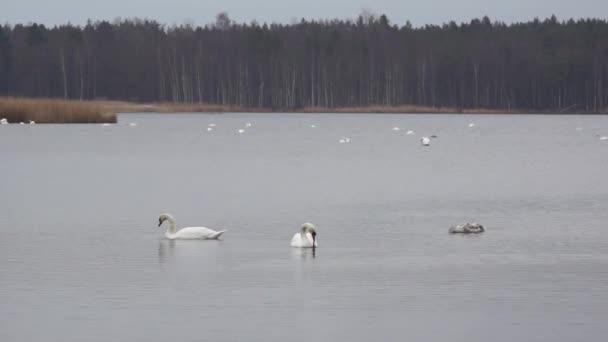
(188, 233)
(209, 129)
(603, 138)
(241, 131)
(396, 128)
(3, 121)
(467, 228)
(344, 140)
(132, 124)
(410, 132)
(32, 122)
(425, 141)
(248, 124)
(307, 238)
(313, 126)
(471, 125)
(105, 124)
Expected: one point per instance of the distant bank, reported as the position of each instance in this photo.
(17, 110)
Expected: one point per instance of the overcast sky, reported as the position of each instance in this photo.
(200, 12)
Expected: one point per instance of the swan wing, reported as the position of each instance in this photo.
(197, 233)
(297, 241)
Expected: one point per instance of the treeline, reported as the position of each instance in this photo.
(542, 65)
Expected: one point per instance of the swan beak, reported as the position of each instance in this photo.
(160, 222)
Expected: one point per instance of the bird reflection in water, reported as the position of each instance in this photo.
(166, 250)
(304, 253)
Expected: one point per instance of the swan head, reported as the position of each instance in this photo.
(310, 228)
(164, 217)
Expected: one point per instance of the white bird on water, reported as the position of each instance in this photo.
(471, 125)
(313, 126)
(132, 124)
(248, 124)
(211, 125)
(344, 140)
(32, 122)
(603, 138)
(241, 131)
(410, 132)
(307, 238)
(396, 128)
(3, 121)
(209, 129)
(425, 141)
(105, 124)
(188, 233)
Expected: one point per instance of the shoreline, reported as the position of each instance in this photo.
(43, 110)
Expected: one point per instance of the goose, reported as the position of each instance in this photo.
(188, 233)
(467, 228)
(307, 238)
(425, 141)
(3, 121)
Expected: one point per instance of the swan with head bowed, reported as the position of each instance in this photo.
(187, 233)
(307, 238)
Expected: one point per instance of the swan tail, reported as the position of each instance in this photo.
(218, 234)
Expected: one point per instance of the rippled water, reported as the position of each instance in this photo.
(83, 260)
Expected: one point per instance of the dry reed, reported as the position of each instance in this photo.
(54, 111)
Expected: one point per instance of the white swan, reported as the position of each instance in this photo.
(396, 128)
(603, 138)
(209, 129)
(471, 125)
(132, 124)
(467, 228)
(241, 131)
(344, 140)
(3, 121)
(410, 132)
(32, 122)
(188, 233)
(313, 126)
(248, 124)
(425, 141)
(307, 238)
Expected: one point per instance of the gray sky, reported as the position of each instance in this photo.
(419, 12)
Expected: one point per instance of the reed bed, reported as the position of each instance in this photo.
(17, 110)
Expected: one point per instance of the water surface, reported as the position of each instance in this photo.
(83, 259)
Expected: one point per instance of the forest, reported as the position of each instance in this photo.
(544, 65)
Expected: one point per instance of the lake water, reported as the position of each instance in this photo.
(82, 258)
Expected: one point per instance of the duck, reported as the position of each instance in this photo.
(306, 238)
(467, 228)
(188, 233)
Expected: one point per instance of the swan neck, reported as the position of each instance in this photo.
(172, 227)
